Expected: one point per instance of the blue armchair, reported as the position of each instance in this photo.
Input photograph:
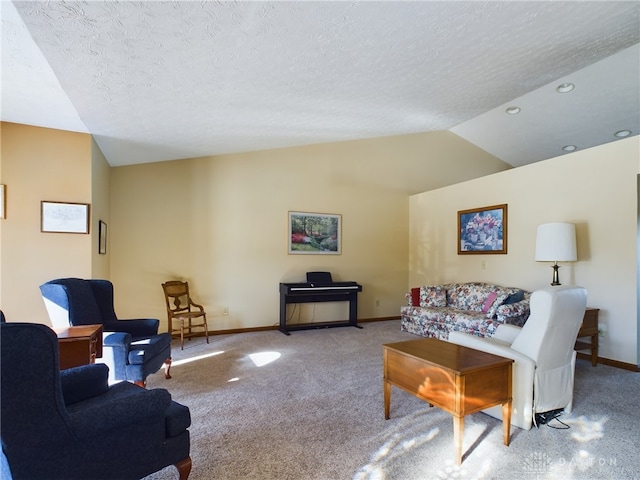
(138, 349)
(71, 424)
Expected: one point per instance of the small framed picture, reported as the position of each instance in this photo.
(64, 217)
(314, 233)
(482, 230)
(102, 238)
(3, 198)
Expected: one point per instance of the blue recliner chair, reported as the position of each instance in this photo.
(138, 349)
(71, 424)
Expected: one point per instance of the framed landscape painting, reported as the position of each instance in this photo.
(482, 230)
(314, 233)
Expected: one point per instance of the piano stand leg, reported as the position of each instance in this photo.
(284, 331)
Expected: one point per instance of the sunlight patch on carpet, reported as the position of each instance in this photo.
(195, 359)
(264, 358)
(585, 430)
(393, 448)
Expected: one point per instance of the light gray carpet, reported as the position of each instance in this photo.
(316, 413)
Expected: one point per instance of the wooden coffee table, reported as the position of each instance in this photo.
(459, 380)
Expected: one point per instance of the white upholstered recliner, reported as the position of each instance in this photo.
(542, 350)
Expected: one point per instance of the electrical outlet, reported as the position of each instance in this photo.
(377, 302)
(225, 311)
(483, 264)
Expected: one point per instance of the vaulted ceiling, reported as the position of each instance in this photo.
(157, 81)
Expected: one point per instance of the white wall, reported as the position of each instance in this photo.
(595, 189)
(100, 209)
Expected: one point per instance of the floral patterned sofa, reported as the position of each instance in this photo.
(476, 308)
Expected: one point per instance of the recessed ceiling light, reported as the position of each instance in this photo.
(569, 148)
(513, 110)
(622, 133)
(565, 87)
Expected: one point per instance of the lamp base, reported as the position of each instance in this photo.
(556, 279)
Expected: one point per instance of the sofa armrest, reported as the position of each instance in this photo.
(136, 327)
(513, 309)
(114, 413)
(81, 383)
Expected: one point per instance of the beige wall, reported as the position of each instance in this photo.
(101, 208)
(236, 216)
(595, 189)
(1, 219)
(40, 164)
(221, 223)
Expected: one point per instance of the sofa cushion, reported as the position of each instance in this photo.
(469, 296)
(514, 313)
(491, 298)
(501, 296)
(438, 322)
(414, 298)
(433, 296)
(514, 297)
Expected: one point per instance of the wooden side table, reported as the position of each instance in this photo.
(589, 328)
(79, 345)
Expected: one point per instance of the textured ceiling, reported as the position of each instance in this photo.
(158, 81)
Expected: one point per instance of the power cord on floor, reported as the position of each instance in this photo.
(546, 417)
(563, 427)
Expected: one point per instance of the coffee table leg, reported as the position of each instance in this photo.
(387, 399)
(458, 433)
(506, 422)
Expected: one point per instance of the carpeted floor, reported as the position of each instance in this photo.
(309, 407)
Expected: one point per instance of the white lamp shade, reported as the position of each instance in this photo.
(556, 242)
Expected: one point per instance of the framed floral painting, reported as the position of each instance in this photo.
(482, 230)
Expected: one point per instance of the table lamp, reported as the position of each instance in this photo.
(556, 242)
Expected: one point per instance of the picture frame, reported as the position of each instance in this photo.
(102, 238)
(314, 233)
(483, 230)
(64, 217)
(3, 201)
